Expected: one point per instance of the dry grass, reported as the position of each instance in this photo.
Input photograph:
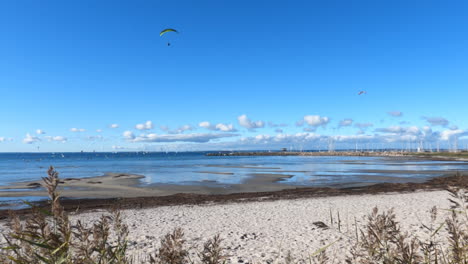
(382, 240)
(50, 237)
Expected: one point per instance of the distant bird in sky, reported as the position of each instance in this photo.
(362, 92)
(164, 31)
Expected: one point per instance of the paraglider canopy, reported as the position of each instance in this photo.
(362, 92)
(167, 30)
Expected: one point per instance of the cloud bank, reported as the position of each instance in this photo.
(145, 126)
(244, 121)
(195, 138)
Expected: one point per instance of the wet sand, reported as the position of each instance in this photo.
(119, 185)
(123, 185)
(262, 188)
(215, 172)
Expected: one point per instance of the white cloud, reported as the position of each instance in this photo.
(114, 125)
(2, 139)
(449, 134)
(40, 131)
(146, 126)
(279, 130)
(207, 125)
(56, 138)
(436, 121)
(247, 123)
(262, 137)
(59, 138)
(353, 138)
(196, 138)
(316, 120)
(398, 137)
(128, 135)
(99, 130)
(218, 127)
(395, 113)
(30, 139)
(346, 122)
(225, 127)
(179, 130)
(74, 129)
(394, 129)
(298, 138)
(184, 128)
(412, 132)
(405, 134)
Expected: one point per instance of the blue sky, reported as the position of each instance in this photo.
(263, 74)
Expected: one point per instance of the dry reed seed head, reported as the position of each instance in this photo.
(120, 228)
(15, 222)
(289, 258)
(321, 258)
(101, 232)
(375, 211)
(433, 213)
(212, 251)
(172, 249)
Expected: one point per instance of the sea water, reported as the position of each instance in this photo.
(195, 168)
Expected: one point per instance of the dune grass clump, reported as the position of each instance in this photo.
(457, 226)
(382, 241)
(50, 237)
(173, 250)
(212, 252)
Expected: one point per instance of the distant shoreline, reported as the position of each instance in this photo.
(463, 155)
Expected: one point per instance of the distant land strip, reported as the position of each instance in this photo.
(432, 155)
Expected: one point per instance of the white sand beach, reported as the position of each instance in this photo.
(264, 231)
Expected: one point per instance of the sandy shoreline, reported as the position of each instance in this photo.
(204, 194)
(264, 231)
(124, 185)
(266, 179)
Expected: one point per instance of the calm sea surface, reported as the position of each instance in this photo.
(196, 168)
